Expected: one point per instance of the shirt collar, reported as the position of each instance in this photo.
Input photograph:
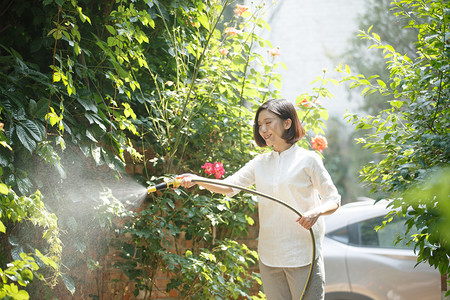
(285, 152)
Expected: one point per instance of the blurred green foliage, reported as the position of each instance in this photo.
(412, 135)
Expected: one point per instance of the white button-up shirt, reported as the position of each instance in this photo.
(296, 176)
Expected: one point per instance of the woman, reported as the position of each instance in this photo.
(296, 176)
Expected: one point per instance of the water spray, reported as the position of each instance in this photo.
(176, 182)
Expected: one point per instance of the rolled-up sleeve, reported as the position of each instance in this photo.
(244, 177)
(322, 181)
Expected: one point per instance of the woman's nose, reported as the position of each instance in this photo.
(263, 128)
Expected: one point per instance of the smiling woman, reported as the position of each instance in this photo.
(297, 177)
(276, 121)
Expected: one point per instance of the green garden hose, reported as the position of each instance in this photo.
(313, 240)
(174, 183)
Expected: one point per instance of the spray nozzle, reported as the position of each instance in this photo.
(169, 184)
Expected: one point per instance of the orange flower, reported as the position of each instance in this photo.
(305, 103)
(224, 51)
(240, 9)
(1, 126)
(319, 143)
(274, 52)
(231, 31)
(191, 21)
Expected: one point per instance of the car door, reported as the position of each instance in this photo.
(381, 269)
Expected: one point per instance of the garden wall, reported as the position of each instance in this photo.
(110, 282)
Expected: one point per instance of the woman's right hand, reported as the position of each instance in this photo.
(186, 180)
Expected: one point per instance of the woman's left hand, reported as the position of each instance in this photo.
(308, 219)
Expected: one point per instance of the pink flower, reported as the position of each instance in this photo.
(216, 169)
(319, 143)
(209, 168)
(224, 51)
(231, 31)
(240, 9)
(219, 169)
(274, 52)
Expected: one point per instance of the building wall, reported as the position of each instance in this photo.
(312, 35)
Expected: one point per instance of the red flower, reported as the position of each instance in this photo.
(216, 169)
(319, 143)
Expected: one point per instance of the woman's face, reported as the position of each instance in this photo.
(272, 128)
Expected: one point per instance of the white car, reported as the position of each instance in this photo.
(363, 264)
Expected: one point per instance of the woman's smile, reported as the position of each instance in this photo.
(272, 129)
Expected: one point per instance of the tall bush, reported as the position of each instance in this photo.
(89, 87)
(412, 135)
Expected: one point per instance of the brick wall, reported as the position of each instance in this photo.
(110, 282)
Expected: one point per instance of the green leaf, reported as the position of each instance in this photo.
(396, 103)
(34, 129)
(347, 69)
(111, 29)
(390, 48)
(2, 227)
(111, 41)
(376, 37)
(4, 189)
(324, 114)
(24, 184)
(25, 139)
(41, 109)
(381, 83)
(262, 23)
(69, 283)
(46, 260)
(90, 136)
(203, 19)
(96, 155)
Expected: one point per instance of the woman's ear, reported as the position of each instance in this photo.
(287, 124)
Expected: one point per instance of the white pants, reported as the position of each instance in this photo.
(288, 283)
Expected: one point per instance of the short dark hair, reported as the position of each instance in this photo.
(284, 110)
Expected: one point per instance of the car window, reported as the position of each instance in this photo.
(363, 233)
